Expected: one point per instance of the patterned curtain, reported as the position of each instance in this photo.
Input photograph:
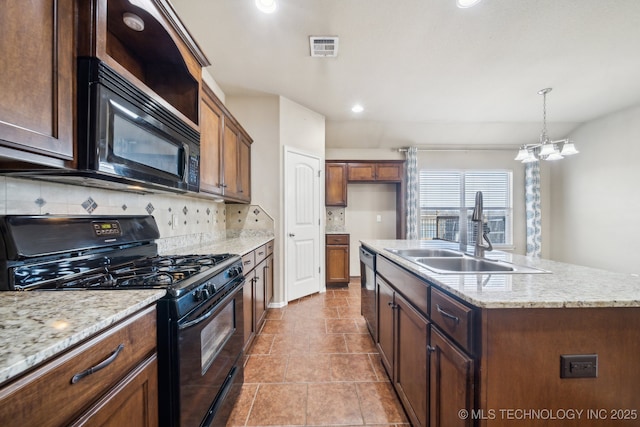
(413, 194)
(533, 211)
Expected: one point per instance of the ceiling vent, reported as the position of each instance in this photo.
(326, 46)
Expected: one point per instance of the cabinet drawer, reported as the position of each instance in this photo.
(248, 261)
(260, 254)
(269, 248)
(411, 287)
(50, 389)
(337, 239)
(453, 318)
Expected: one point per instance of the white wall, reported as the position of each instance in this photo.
(301, 128)
(365, 203)
(595, 196)
(275, 122)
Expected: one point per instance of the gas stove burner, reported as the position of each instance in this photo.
(89, 281)
(150, 280)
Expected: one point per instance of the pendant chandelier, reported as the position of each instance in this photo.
(546, 149)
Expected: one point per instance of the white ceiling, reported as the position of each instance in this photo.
(427, 72)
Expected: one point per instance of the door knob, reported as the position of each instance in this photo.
(292, 235)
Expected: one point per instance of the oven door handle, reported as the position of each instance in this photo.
(213, 309)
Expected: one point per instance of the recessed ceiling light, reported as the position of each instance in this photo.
(463, 4)
(133, 21)
(266, 6)
(357, 108)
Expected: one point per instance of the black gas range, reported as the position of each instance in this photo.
(200, 319)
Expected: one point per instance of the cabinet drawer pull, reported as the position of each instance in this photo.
(431, 349)
(77, 377)
(261, 253)
(247, 262)
(445, 314)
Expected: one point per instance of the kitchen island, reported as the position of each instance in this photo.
(555, 348)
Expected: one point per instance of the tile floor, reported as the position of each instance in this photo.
(314, 363)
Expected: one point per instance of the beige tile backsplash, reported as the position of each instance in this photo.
(182, 220)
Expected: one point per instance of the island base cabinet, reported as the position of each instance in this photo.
(402, 344)
(384, 295)
(411, 371)
(451, 384)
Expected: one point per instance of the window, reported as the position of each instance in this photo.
(447, 198)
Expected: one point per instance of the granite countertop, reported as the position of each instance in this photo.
(335, 230)
(235, 245)
(38, 325)
(566, 285)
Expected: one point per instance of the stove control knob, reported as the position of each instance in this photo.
(201, 294)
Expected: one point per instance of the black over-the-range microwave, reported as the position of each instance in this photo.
(127, 137)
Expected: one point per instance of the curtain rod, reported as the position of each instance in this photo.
(404, 149)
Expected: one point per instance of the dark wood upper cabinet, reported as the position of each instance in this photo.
(225, 152)
(211, 126)
(36, 83)
(336, 184)
(376, 171)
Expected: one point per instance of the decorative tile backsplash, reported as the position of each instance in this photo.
(182, 220)
(243, 219)
(335, 217)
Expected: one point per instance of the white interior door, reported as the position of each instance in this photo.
(302, 224)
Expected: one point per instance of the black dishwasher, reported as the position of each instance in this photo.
(368, 290)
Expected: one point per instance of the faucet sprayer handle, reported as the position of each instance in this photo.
(477, 209)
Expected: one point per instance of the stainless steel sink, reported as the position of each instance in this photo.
(448, 261)
(424, 252)
(464, 265)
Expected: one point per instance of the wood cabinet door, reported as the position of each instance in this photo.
(411, 370)
(335, 184)
(386, 323)
(337, 260)
(389, 172)
(268, 277)
(260, 294)
(230, 183)
(365, 171)
(244, 166)
(247, 304)
(36, 81)
(134, 402)
(211, 124)
(451, 383)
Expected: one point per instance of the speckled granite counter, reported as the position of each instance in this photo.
(236, 245)
(566, 286)
(335, 230)
(38, 325)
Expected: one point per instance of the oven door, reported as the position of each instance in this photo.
(210, 345)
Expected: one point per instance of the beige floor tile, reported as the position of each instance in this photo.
(352, 367)
(379, 404)
(279, 405)
(314, 363)
(333, 403)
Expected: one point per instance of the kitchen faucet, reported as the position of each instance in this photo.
(479, 248)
